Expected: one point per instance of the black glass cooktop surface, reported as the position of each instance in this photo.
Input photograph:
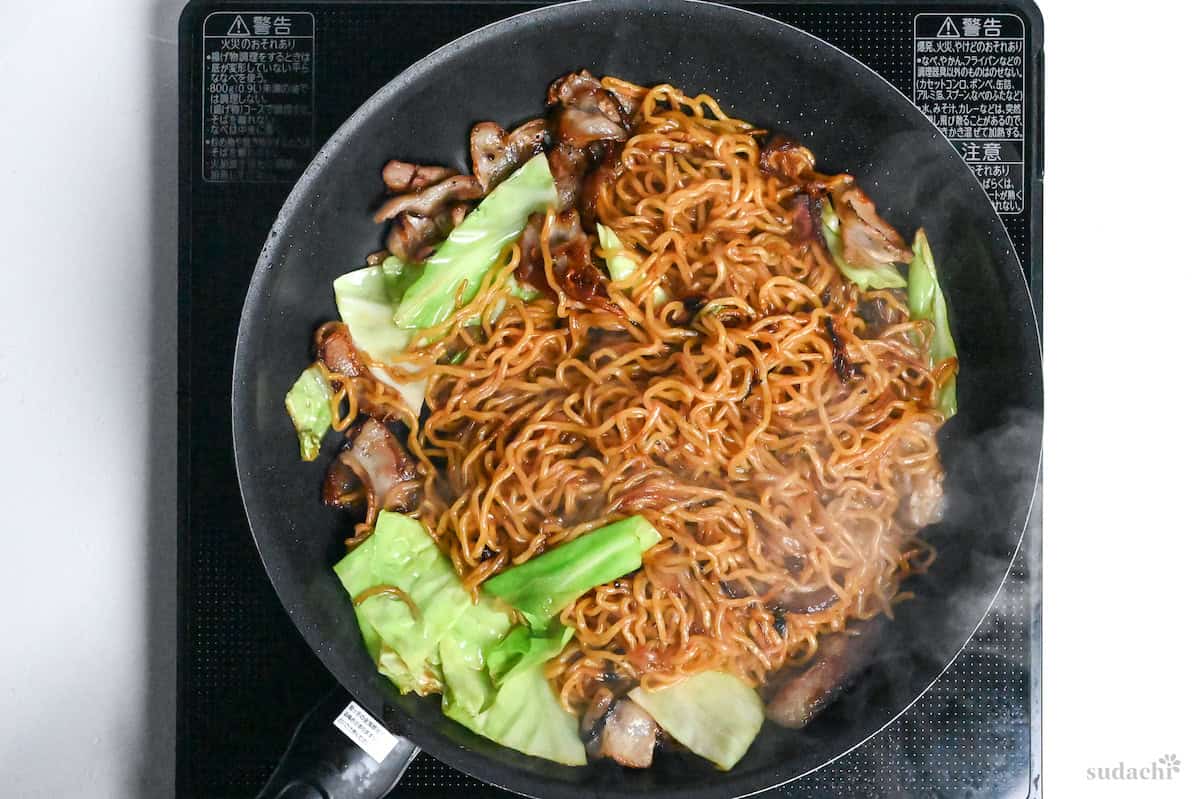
(245, 675)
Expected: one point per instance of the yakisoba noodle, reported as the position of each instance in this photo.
(770, 473)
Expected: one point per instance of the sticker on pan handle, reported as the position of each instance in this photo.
(259, 81)
(362, 728)
(969, 79)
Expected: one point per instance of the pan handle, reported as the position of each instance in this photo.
(322, 762)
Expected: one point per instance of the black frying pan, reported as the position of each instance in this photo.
(760, 70)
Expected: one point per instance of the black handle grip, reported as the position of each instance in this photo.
(321, 762)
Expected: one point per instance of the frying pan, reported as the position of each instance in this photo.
(760, 70)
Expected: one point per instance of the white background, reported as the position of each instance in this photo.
(87, 244)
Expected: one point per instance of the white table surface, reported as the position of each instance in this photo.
(87, 379)
(87, 382)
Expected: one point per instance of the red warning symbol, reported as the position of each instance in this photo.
(947, 31)
(238, 28)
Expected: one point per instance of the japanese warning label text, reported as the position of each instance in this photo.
(969, 78)
(258, 96)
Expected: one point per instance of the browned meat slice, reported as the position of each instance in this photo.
(495, 154)
(879, 314)
(786, 158)
(336, 350)
(629, 735)
(629, 96)
(585, 111)
(432, 199)
(412, 238)
(568, 165)
(794, 600)
(595, 182)
(574, 270)
(426, 203)
(806, 219)
(800, 696)
(867, 240)
(586, 121)
(591, 725)
(402, 177)
(529, 268)
(376, 462)
(580, 128)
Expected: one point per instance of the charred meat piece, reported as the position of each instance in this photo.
(591, 724)
(580, 128)
(376, 462)
(432, 199)
(629, 96)
(576, 273)
(786, 158)
(495, 154)
(806, 219)
(568, 165)
(603, 175)
(800, 696)
(412, 238)
(530, 269)
(426, 203)
(867, 240)
(793, 600)
(629, 735)
(336, 350)
(584, 111)
(586, 121)
(401, 177)
(879, 314)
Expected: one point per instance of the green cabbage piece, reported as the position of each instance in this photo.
(866, 278)
(496, 688)
(521, 291)
(525, 715)
(366, 300)
(401, 553)
(398, 276)
(473, 247)
(926, 301)
(450, 643)
(540, 588)
(715, 715)
(621, 266)
(468, 683)
(307, 402)
(524, 648)
(365, 303)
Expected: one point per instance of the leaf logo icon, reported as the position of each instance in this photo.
(1170, 762)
